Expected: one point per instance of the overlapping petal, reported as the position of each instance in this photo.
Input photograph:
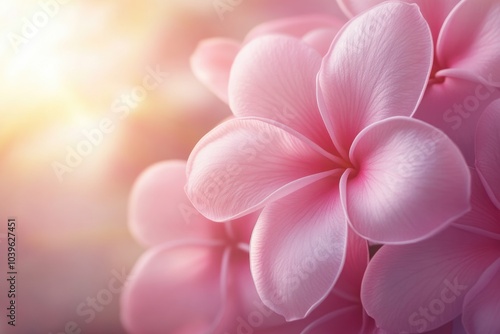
(298, 249)
(434, 12)
(432, 277)
(455, 106)
(159, 210)
(488, 150)
(243, 163)
(482, 303)
(320, 39)
(274, 77)
(484, 217)
(169, 290)
(295, 26)
(377, 67)
(211, 64)
(470, 41)
(404, 165)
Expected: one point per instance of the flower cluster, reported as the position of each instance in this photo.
(356, 189)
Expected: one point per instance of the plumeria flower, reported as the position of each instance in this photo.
(466, 70)
(195, 278)
(320, 156)
(212, 60)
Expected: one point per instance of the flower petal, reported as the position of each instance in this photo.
(432, 277)
(159, 210)
(297, 26)
(455, 106)
(357, 256)
(263, 84)
(482, 303)
(172, 290)
(404, 165)
(320, 39)
(470, 40)
(377, 67)
(211, 64)
(298, 247)
(243, 163)
(488, 150)
(434, 12)
(484, 218)
(350, 319)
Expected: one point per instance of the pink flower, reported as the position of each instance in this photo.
(195, 278)
(322, 144)
(466, 72)
(456, 271)
(213, 58)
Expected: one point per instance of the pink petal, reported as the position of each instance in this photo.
(172, 290)
(378, 67)
(482, 303)
(484, 218)
(160, 211)
(431, 277)
(470, 40)
(262, 84)
(454, 106)
(297, 26)
(241, 164)
(349, 319)
(357, 256)
(320, 39)
(434, 12)
(404, 165)
(488, 150)
(354, 7)
(298, 248)
(211, 64)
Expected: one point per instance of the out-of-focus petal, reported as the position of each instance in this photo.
(173, 290)
(357, 256)
(377, 67)
(320, 39)
(274, 77)
(211, 64)
(434, 12)
(484, 217)
(348, 319)
(454, 106)
(470, 40)
(241, 164)
(295, 26)
(482, 303)
(432, 277)
(488, 150)
(298, 247)
(160, 211)
(404, 165)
